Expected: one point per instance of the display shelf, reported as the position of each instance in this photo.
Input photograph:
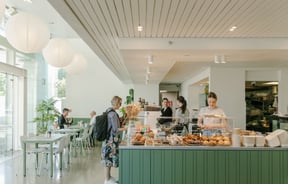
(259, 108)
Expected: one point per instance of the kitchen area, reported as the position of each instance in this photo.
(261, 105)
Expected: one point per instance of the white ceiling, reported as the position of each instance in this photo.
(183, 36)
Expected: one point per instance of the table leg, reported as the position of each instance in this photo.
(51, 159)
(74, 145)
(68, 156)
(37, 157)
(24, 158)
(61, 159)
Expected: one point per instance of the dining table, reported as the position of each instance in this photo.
(71, 131)
(42, 139)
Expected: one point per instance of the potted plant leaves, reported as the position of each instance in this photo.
(47, 113)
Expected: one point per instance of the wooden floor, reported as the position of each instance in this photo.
(82, 170)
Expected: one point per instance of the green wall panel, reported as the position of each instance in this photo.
(185, 166)
(77, 119)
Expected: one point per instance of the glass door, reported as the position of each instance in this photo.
(8, 112)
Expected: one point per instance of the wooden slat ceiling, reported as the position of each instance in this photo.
(105, 22)
(184, 18)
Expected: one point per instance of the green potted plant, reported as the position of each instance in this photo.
(46, 113)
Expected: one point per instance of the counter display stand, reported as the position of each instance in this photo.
(202, 165)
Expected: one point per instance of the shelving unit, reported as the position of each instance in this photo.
(260, 102)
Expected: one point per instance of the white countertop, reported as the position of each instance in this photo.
(214, 148)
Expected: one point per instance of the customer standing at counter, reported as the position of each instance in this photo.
(211, 117)
(181, 115)
(166, 113)
(110, 146)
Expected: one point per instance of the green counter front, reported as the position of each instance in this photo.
(202, 165)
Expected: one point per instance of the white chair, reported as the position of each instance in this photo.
(82, 141)
(58, 149)
(90, 138)
(67, 150)
(33, 151)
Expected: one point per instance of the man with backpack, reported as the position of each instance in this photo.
(110, 146)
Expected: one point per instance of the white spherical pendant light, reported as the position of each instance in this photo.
(2, 8)
(58, 52)
(27, 33)
(77, 66)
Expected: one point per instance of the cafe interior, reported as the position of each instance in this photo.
(79, 54)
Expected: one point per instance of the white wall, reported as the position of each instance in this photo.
(149, 92)
(262, 74)
(229, 85)
(193, 99)
(190, 90)
(186, 84)
(94, 89)
(283, 91)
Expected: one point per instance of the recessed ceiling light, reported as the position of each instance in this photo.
(233, 28)
(150, 60)
(28, 1)
(140, 28)
(148, 70)
(219, 59)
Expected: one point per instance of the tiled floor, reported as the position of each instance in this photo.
(82, 170)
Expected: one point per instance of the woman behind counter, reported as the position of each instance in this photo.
(212, 117)
(166, 113)
(181, 116)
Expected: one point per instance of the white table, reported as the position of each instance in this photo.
(42, 140)
(70, 131)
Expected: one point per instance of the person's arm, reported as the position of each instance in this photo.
(122, 129)
(172, 126)
(113, 122)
